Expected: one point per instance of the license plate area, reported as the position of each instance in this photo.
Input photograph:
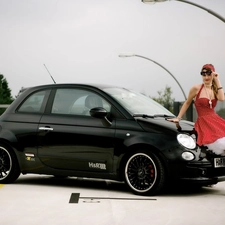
(219, 162)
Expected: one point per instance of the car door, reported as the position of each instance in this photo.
(70, 139)
(23, 121)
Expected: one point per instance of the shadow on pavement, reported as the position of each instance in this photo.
(108, 185)
(188, 190)
(69, 182)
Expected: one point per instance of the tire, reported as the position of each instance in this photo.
(9, 167)
(144, 173)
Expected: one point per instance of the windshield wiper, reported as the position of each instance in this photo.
(142, 115)
(152, 116)
(164, 115)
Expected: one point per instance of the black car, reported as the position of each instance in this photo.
(103, 132)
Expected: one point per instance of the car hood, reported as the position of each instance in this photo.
(161, 125)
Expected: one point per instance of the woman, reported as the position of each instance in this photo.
(210, 127)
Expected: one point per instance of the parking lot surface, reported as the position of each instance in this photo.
(35, 200)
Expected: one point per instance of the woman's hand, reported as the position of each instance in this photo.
(215, 75)
(174, 120)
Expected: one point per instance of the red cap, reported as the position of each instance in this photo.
(209, 66)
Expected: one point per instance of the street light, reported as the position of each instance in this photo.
(134, 55)
(191, 3)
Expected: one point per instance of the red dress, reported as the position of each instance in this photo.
(209, 125)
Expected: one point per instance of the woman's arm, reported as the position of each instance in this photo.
(185, 106)
(220, 93)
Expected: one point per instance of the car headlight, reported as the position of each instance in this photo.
(186, 140)
(188, 156)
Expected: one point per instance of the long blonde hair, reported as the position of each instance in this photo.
(214, 85)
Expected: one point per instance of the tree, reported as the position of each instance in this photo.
(5, 93)
(165, 98)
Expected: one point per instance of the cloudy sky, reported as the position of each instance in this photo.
(79, 41)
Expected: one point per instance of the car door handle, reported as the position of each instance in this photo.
(45, 128)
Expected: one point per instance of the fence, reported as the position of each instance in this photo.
(4, 106)
(191, 113)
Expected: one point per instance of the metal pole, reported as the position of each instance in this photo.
(124, 55)
(207, 10)
(191, 3)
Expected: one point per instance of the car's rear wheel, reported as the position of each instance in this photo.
(144, 173)
(9, 167)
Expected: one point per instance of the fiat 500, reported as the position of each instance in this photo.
(107, 132)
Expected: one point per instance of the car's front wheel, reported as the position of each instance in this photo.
(144, 173)
(9, 167)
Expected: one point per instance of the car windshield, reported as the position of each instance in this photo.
(137, 103)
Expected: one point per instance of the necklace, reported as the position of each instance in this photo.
(209, 96)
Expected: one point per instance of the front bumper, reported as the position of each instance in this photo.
(204, 179)
(202, 172)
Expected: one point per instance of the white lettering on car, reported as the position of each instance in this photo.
(101, 166)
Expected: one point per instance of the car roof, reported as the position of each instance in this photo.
(99, 86)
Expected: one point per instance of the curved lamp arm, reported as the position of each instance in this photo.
(207, 10)
(131, 55)
(191, 3)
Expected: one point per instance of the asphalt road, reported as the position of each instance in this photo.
(45, 200)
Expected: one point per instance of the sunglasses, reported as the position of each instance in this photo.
(204, 73)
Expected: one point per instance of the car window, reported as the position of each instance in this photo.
(33, 103)
(77, 102)
(137, 103)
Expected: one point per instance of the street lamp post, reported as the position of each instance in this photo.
(134, 55)
(191, 3)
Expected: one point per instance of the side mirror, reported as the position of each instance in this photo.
(99, 113)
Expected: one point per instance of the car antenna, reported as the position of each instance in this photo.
(49, 74)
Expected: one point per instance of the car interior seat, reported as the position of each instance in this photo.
(92, 101)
